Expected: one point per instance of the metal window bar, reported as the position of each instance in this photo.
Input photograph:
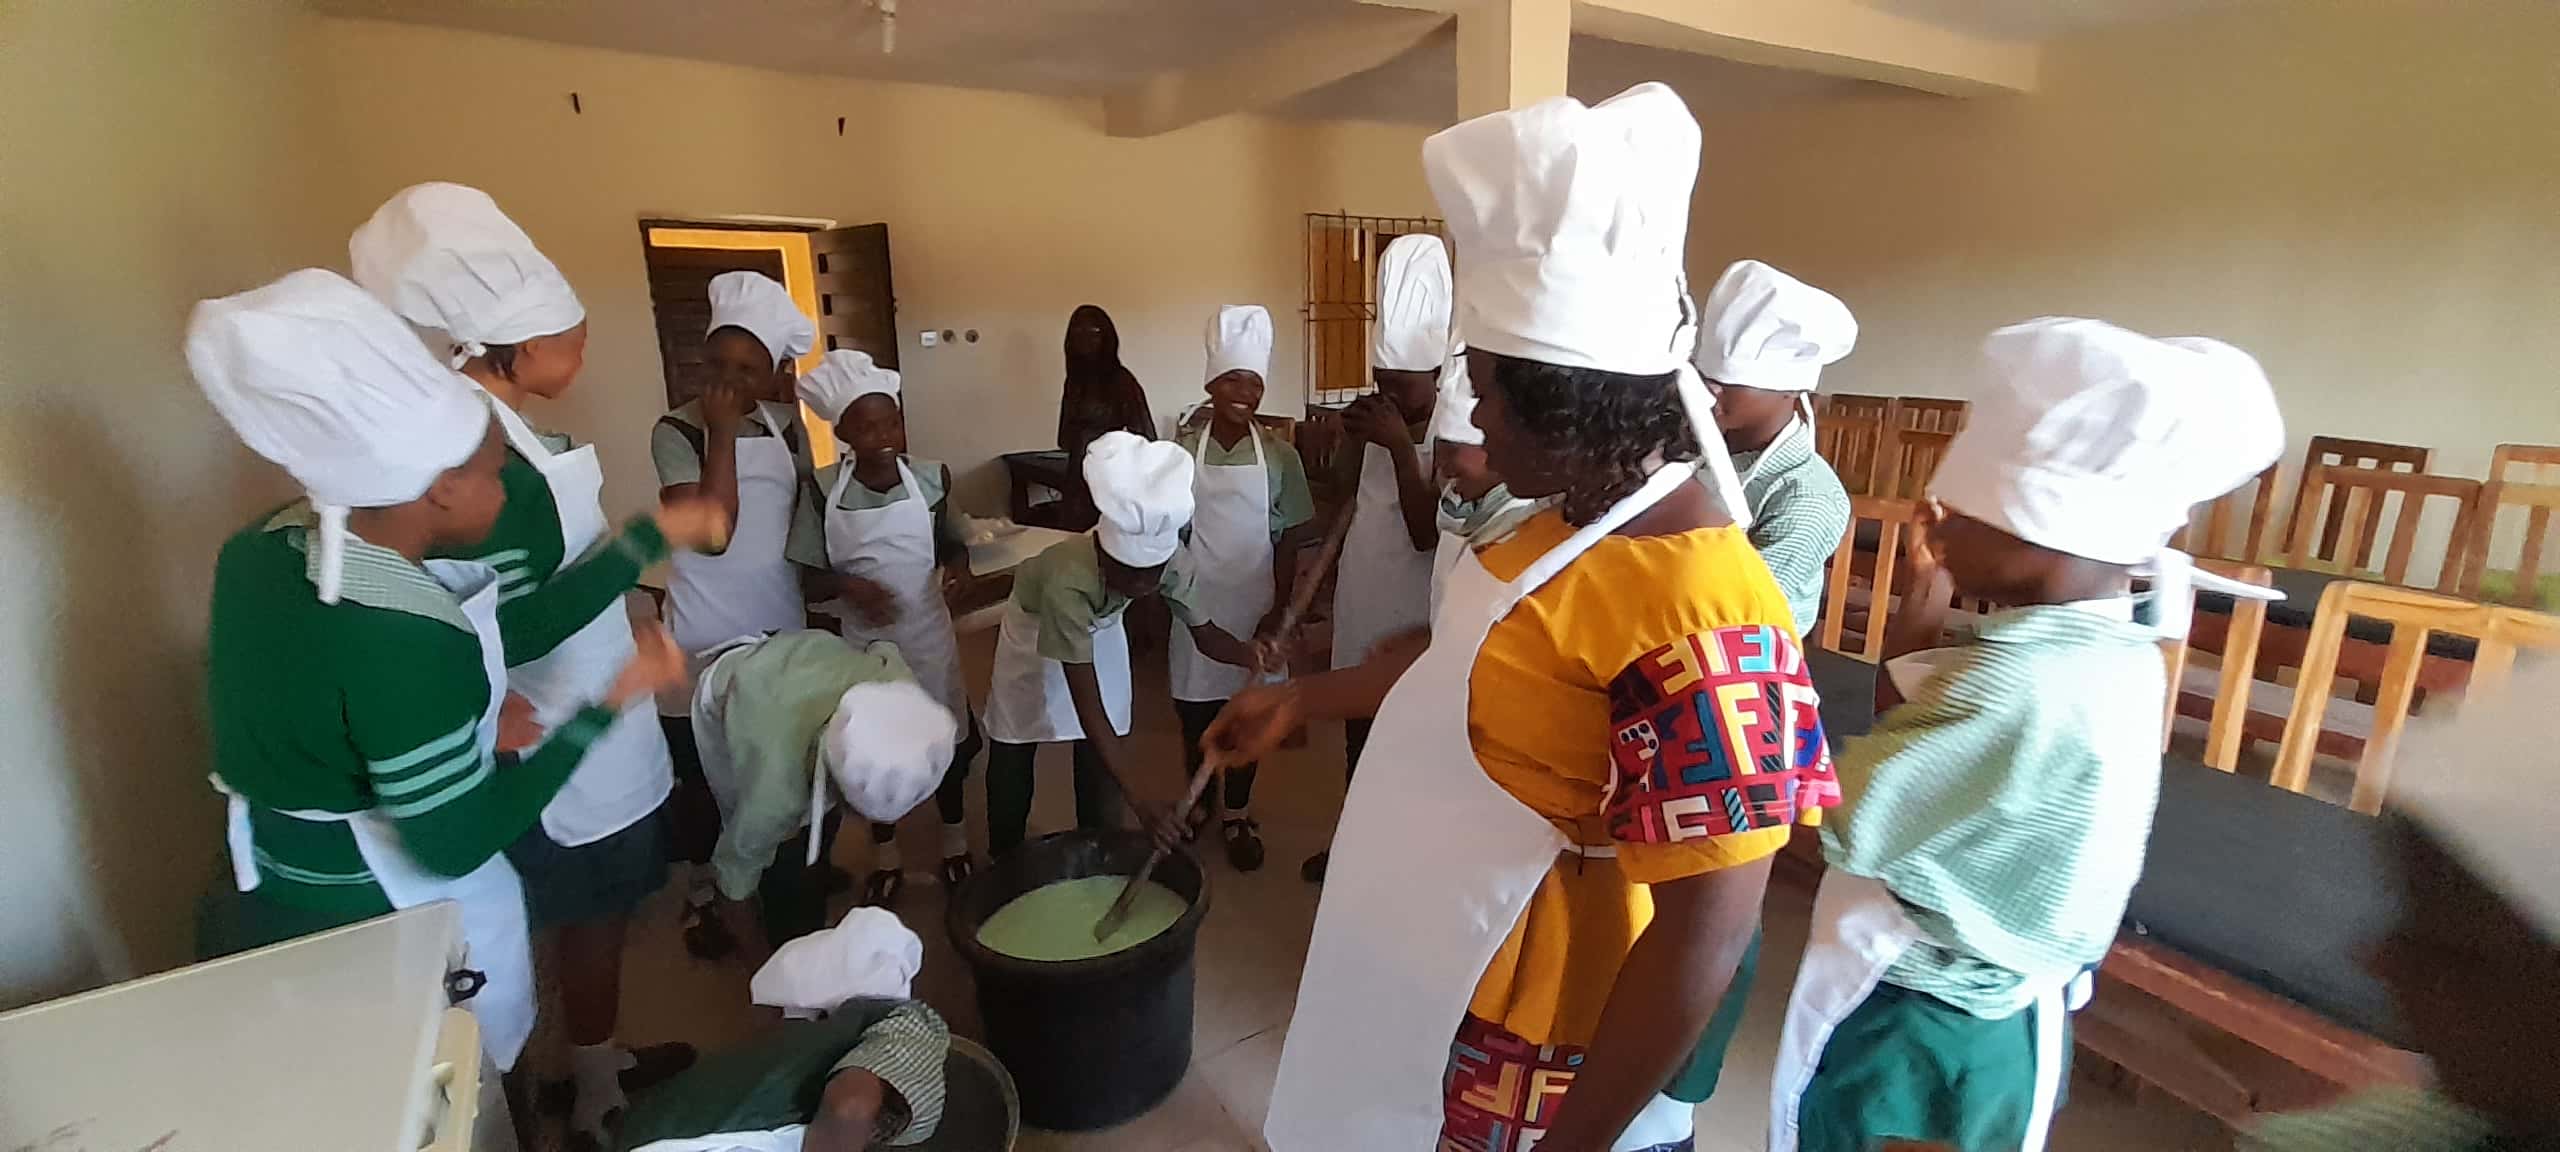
(1342, 298)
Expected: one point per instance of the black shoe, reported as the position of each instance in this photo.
(654, 1065)
(1244, 843)
(881, 888)
(1313, 870)
(706, 936)
(956, 869)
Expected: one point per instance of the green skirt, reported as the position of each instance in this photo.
(1907, 1066)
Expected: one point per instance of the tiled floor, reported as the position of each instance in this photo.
(1250, 949)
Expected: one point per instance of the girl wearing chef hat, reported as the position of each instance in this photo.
(1062, 656)
(354, 683)
(739, 444)
(447, 260)
(777, 717)
(1248, 489)
(880, 534)
(1534, 915)
(1383, 589)
(1933, 1004)
(1765, 341)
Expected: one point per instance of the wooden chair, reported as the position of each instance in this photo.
(1852, 441)
(2226, 710)
(1854, 406)
(2341, 452)
(1916, 456)
(2355, 498)
(2499, 631)
(1929, 414)
(2534, 492)
(1891, 518)
(2252, 505)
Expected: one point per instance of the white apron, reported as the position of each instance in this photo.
(494, 936)
(627, 772)
(1028, 701)
(749, 587)
(1432, 865)
(1859, 932)
(893, 545)
(1230, 562)
(1383, 585)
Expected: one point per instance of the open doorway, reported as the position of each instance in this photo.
(839, 277)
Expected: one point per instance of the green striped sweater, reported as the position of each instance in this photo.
(370, 703)
(543, 601)
(2008, 801)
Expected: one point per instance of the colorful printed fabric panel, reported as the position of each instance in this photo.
(1717, 732)
(1501, 1090)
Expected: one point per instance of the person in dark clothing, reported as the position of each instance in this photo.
(1100, 396)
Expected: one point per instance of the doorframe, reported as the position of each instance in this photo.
(790, 240)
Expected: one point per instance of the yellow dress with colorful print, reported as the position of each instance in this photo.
(1650, 699)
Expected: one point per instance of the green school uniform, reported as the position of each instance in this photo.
(1292, 502)
(374, 702)
(777, 698)
(675, 441)
(2006, 804)
(777, 1079)
(1063, 592)
(545, 596)
(1798, 513)
(807, 545)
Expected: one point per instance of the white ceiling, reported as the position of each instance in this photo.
(1087, 47)
(1422, 85)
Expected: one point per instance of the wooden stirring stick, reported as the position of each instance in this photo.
(1211, 761)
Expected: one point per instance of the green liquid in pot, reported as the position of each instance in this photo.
(1055, 921)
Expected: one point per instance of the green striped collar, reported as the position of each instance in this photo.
(372, 575)
(1790, 451)
(2038, 624)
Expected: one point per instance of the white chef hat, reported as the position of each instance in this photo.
(868, 953)
(1240, 337)
(2479, 781)
(886, 747)
(842, 377)
(1412, 332)
(1765, 329)
(757, 303)
(1142, 488)
(2098, 441)
(325, 382)
(444, 257)
(1453, 417)
(1571, 225)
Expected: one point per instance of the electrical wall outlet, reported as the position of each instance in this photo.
(929, 338)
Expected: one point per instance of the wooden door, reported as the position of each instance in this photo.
(680, 294)
(857, 300)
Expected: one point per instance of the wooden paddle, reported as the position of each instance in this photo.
(1211, 763)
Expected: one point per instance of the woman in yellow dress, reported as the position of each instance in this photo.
(1546, 879)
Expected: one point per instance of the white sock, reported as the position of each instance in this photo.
(955, 840)
(885, 858)
(596, 1069)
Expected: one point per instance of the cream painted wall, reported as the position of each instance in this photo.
(150, 155)
(1004, 212)
(2365, 196)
